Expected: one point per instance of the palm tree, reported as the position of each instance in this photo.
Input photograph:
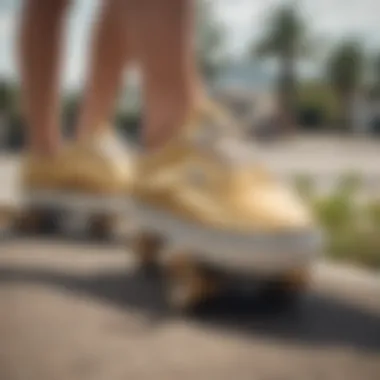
(376, 76)
(284, 39)
(345, 69)
(9, 108)
(70, 107)
(9, 97)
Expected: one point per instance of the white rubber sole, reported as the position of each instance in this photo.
(75, 210)
(260, 253)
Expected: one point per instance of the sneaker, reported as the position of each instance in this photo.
(204, 192)
(101, 166)
(82, 188)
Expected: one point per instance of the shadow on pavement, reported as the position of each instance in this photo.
(320, 321)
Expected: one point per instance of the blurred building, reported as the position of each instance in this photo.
(366, 112)
(246, 88)
(4, 126)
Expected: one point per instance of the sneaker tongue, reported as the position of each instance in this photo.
(109, 144)
(209, 125)
(215, 132)
(235, 150)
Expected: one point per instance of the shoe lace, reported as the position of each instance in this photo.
(112, 146)
(227, 142)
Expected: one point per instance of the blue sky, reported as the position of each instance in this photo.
(329, 20)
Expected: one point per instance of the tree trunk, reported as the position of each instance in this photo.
(286, 97)
(4, 126)
(345, 111)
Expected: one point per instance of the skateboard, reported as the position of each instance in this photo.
(191, 279)
(69, 214)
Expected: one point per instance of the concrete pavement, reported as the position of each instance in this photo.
(77, 311)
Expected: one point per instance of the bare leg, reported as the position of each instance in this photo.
(40, 45)
(109, 56)
(162, 36)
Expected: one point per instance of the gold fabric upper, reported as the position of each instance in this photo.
(97, 167)
(190, 178)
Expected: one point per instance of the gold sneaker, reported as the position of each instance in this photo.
(101, 166)
(203, 193)
(87, 179)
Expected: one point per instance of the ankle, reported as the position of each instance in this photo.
(86, 134)
(166, 123)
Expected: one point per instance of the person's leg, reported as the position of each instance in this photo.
(162, 36)
(40, 46)
(40, 43)
(109, 56)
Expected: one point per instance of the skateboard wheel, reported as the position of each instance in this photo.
(37, 221)
(102, 226)
(146, 247)
(296, 280)
(187, 284)
(286, 291)
(27, 222)
(7, 217)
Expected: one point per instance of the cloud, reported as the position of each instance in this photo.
(243, 20)
(5, 22)
(78, 41)
(334, 19)
(7, 37)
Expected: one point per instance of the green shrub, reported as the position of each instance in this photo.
(352, 230)
(373, 214)
(334, 212)
(357, 246)
(349, 184)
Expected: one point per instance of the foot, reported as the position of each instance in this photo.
(203, 192)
